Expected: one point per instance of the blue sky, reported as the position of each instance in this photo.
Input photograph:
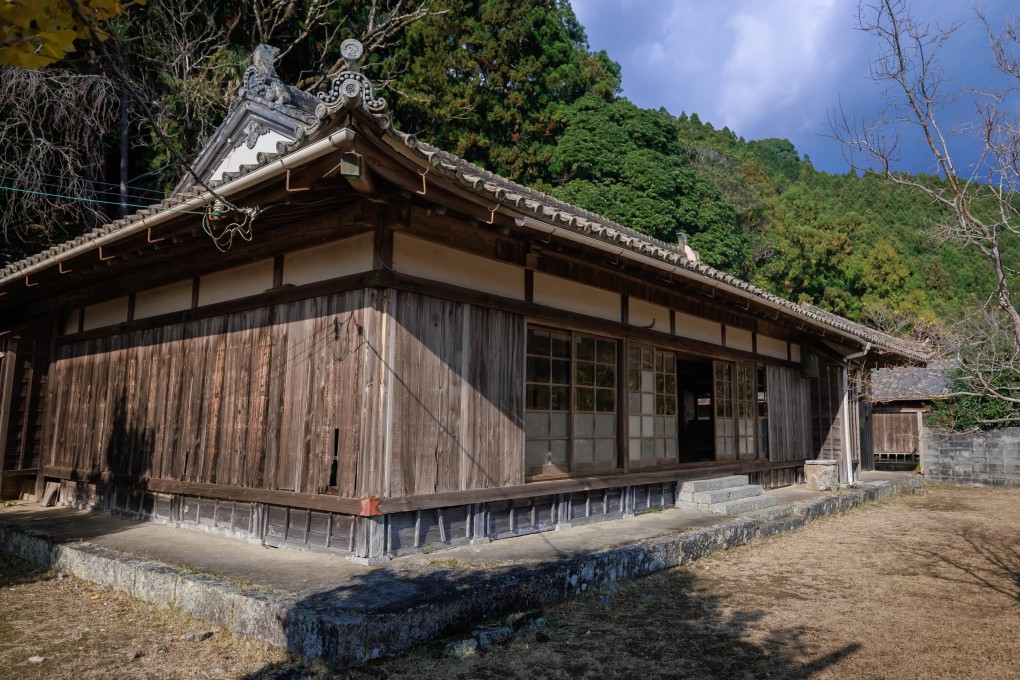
(774, 68)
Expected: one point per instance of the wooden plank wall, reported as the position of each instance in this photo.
(416, 395)
(867, 435)
(455, 384)
(789, 414)
(896, 432)
(23, 378)
(260, 398)
(827, 422)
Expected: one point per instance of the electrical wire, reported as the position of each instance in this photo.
(94, 200)
(115, 185)
(54, 186)
(117, 65)
(225, 238)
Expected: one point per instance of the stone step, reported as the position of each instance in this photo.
(732, 493)
(743, 505)
(771, 513)
(713, 484)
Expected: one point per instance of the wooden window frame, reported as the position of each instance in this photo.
(674, 434)
(734, 404)
(572, 467)
(761, 415)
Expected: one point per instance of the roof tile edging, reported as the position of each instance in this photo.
(350, 89)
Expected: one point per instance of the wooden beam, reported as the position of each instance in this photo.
(30, 472)
(686, 472)
(6, 389)
(324, 503)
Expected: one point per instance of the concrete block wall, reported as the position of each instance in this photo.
(989, 458)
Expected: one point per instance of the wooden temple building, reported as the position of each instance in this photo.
(342, 338)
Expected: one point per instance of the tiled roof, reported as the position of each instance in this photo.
(912, 383)
(167, 204)
(553, 211)
(518, 198)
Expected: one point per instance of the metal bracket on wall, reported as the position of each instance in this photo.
(292, 190)
(424, 188)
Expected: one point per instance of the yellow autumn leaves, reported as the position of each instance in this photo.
(36, 33)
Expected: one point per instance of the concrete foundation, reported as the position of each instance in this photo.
(388, 609)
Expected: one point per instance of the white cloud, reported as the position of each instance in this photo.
(781, 51)
(763, 68)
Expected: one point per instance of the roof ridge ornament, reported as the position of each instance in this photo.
(262, 83)
(351, 89)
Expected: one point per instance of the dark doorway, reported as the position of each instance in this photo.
(697, 429)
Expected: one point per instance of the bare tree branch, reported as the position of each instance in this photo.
(917, 95)
(51, 146)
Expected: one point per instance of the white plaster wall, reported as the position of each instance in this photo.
(644, 314)
(567, 295)
(770, 347)
(340, 258)
(795, 352)
(106, 313)
(738, 338)
(695, 328)
(71, 322)
(235, 283)
(438, 263)
(242, 155)
(163, 300)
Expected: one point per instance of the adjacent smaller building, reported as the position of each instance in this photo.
(901, 397)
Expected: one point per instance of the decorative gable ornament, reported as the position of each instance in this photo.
(349, 90)
(265, 113)
(262, 83)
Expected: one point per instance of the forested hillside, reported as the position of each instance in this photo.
(509, 84)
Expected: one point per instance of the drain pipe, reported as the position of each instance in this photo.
(846, 411)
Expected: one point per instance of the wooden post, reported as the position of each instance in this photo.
(6, 389)
(47, 441)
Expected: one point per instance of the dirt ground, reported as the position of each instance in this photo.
(923, 585)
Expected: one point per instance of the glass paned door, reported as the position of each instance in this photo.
(736, 406)
(725, 424)
(547, 402)
(652, 407)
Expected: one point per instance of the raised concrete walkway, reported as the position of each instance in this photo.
(323, 605)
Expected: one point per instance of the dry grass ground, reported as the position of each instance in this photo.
(917, 586)
(87, 632)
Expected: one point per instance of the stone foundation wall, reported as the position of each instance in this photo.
(322, 626)
(371, 538)
(981, 458)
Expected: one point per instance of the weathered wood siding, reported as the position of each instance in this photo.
(260, 398)
(789, 414)
(896, 432)
(23, 379)
(414, 394)
(826, 402)
(455, 391)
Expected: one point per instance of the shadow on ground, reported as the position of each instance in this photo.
(990, 563)
(15, 571)
(661, 626)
